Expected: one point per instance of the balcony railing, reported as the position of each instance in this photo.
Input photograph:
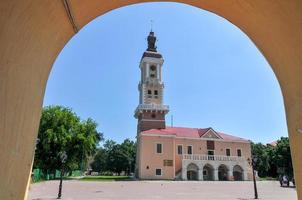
(152, 107)
(211, 157)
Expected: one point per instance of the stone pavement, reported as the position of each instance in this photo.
(157, 190)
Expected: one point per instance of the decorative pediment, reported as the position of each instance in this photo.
(211, 134)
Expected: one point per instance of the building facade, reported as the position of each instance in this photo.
(178, 152)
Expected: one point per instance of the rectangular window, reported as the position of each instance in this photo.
(210, 145)
(179, 149)
(149, 94)
(155, 92)
(190, 149)
(159, 148)
(239, 152)
(158, 172)
(168, 163)
(228, 152)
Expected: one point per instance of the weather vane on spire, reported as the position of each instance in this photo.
(151, 22)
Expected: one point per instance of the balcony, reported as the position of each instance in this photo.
(212, 157)
(152, 107)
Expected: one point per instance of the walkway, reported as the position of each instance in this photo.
(168, 190)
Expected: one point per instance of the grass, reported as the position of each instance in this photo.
(105, 178)
(267, 178)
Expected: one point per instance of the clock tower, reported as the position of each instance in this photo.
(150, 113)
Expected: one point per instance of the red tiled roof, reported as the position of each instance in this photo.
(191, 133)
(274, 143)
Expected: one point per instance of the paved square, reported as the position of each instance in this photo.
(156, 190)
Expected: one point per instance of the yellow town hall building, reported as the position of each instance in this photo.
(179, 153)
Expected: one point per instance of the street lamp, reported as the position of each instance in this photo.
(63, 157)
(252, 162)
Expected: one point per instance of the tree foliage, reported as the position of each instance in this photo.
(61, 130)
(273, 160)
(115, 158)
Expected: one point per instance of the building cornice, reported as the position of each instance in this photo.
(190, 138)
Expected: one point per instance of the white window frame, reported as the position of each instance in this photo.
(188, 149)
(182, 149)
(162, 147)
(237, 152)
(161, 172)
(230, 151)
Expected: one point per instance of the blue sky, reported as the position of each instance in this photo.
(214, 75)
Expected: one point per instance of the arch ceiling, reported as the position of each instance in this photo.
(34, 32)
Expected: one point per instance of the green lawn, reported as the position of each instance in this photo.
(105, 178)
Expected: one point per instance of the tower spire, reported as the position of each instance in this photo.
(151, 23)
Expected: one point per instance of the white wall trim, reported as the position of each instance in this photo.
(188, 138)
(215, 133)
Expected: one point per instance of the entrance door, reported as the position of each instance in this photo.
(192, 175)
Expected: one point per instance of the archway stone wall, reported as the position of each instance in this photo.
(34, 32)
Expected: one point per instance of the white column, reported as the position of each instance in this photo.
(230, 174)
(245, 175)
(157, 71)
(200, 175)
(184, 174)
(147, 70)
(216, 175)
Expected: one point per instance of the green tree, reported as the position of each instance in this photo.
(99, 163)
(115, 158)
(282, 156)
(61, 130)
(263, 160)
(129, 151)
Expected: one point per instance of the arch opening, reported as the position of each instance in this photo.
(223, 173)
(208, 172)
(192, 172)
(26, 126)
(238, 173)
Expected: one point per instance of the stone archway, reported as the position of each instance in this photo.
(192, 172)
(208, 173)
(238, 173)
(31, 43)
(223, 173)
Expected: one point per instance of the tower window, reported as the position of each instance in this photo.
(155, 92)
(153, 68)
(153, 71)
(149, 92)
(153, 116)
